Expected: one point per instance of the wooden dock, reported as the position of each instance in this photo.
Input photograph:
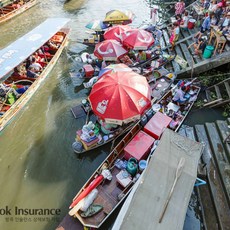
(196, 65)
(215, 196)
(218, 94)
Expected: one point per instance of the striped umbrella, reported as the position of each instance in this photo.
(96, 25)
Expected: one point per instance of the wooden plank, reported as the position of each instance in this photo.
(217, 89)
(220, 158)
(220, 103)
(165, 42)
(207, 93)
(213, 103)
(224, 131)
(207, 64)
(209, 210)
(176, 66)
(189, 42)
(202, 137)
(226, 83)
(187, 54)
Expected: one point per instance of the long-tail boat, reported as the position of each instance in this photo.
(11, 8)
(116, 176)
(50, 36)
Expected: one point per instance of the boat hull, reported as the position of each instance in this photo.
(18, 11)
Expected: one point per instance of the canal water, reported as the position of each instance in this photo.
(38, 167)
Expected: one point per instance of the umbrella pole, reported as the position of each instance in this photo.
(87, 117)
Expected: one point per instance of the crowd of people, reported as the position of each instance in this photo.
(215, 14)
(29, 69)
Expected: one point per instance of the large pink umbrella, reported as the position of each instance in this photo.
(115, 32)
(120, 97)
(109, 50)
(137, 39)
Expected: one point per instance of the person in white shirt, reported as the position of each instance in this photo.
(184, 23)
(35, 65)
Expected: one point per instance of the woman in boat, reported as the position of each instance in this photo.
(141, 56)
(107, 128)
(179, 97)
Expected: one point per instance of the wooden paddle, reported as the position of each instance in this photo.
(178, 174)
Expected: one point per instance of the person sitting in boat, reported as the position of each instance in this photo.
(38, 58)
(5, 90)
(44, 52)
(141, 56)
(52, 45)
(35, 65)
(107, 128)
(88, 134)
(179, 97)
(31, 73)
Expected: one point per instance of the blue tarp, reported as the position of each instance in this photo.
(18, 51)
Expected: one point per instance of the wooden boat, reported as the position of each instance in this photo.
(80, 146)
(135, 145)
(46, 33)
(10, 8)
(110, 194)
(178, 112)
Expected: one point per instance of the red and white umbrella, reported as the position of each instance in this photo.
(137, 39)
(109, 50)
(120, 97)
(115, 32)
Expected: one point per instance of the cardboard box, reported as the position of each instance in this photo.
(89, 70)
(139, 147)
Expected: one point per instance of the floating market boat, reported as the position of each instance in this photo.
(49, 36)
(109, 194)
(177, 112)
(11, 8)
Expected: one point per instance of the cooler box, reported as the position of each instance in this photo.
(139, 147)
(89, 70)
(157, 124)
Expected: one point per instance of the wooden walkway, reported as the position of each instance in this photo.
(218, 94)
(195, 65)
(215, 196)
